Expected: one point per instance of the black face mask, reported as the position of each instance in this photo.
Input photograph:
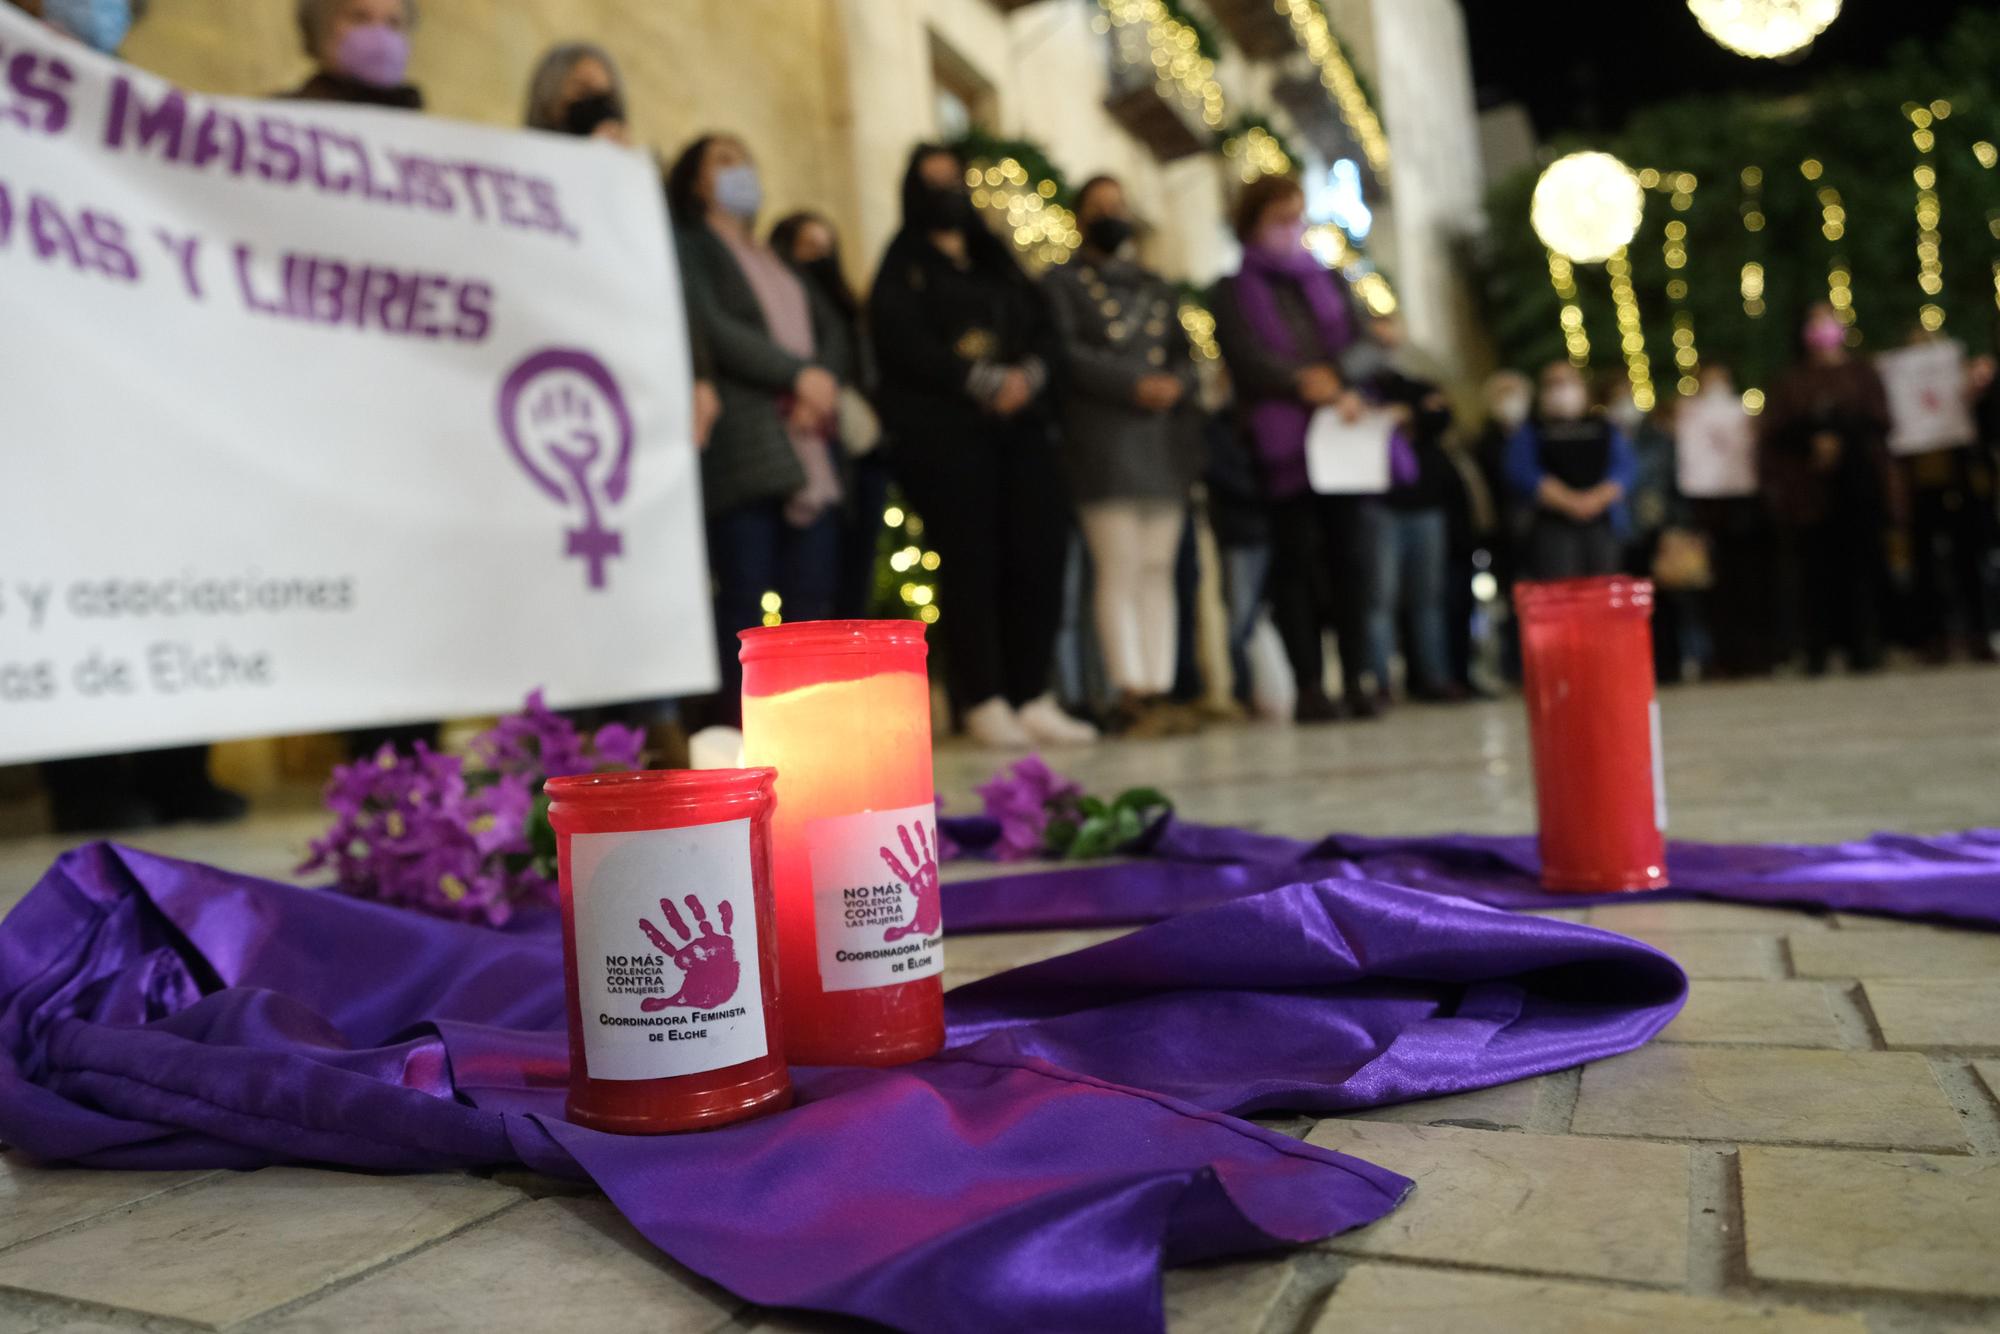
(826, 272)
(940, 208)
(582, 117)
(1107, 234)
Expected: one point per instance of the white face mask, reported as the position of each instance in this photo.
(1512, 410)
(1564, 402)
(1625, 414)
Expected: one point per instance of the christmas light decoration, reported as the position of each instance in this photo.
(1587, 206)
(1764, 29)
(1336, 75)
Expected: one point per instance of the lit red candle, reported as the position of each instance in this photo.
(841, 709)
(1594, 726)
(669, 948)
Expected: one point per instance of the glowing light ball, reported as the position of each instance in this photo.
(1586, 206)
(1764, 28)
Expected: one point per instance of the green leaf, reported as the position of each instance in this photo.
(1093, 840)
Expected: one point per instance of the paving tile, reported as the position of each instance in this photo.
(1765, 1014)
(1502, 1107)
(553, 1264)
(1223, 1298)
(1543, 1203)
(1989, 1074)
(1901, 1222)
(1861, 921)
(221, 1252)
(1867, 1099)
(1382, 1299)
(1923, 953)
(35, 1200)
(1720, 954)
(1701, 915)
(1936, 1014)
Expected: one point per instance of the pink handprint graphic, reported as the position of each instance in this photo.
(921, 879)
(709, 971)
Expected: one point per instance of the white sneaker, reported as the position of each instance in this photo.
(995, 725)
(1046, 722)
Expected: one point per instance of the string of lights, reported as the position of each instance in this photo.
(1039, 226)
(1562, 276)
(1337, 76)
(1174, 49)
(1199, 324)
(1631, 333)
(1673, 251)
(1256, 153)
(1839, 274)
(1930, 257)
(1337, 251)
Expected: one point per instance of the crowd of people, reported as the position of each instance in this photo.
(1039, 423)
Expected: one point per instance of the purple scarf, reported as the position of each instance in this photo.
(1278, 425)
(1079, 1131)
(1951, 878)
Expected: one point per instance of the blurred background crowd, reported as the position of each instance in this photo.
(1066, 424)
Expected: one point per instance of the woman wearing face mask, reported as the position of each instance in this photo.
(1573, 469)
(576, 89)
(361, 50)
(1287, 324)
(1824, 457)
(768, 476)
(1132, 448)
(808, 243)
(965, 346)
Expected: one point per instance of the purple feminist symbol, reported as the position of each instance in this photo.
(565, 423)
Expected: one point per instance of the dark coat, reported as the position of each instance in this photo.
(327, 87)
(1118, 323)
(935, 326)
(1847, 400)
(749, 457)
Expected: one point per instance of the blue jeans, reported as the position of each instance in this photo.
(1409, 579)
(1245, 570)
(752, 551)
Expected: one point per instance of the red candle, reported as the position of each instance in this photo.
(842, 710)
(669, 948)
(1594, 725)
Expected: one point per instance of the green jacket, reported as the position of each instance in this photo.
(749, 456)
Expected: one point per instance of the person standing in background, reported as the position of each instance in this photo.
(1657, 544)
(1285, 323)
(808, 243)
(1573, 469)
(1132, 448)
(1410, 563)
(1715, 460)
(1510, 398)
(576, 89)
(361, 51)
(1952, 534)
(769, 480)
(965, 349)
(1823, 457)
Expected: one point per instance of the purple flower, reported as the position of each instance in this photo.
(420, 831)
(1023, 802)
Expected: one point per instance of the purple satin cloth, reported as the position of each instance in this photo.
(1078, 1133)
(1953, 878)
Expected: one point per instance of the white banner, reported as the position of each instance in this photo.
(1715, 448)
(321, 416)
(1927, 397)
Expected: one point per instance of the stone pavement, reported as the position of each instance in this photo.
(1813, 1145)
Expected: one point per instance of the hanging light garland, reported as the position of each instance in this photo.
(1833, 226)
(1337, 251)
(1257, 152)
(1930, 257)
(1673, 252)
(1039, 226)
(1631, 333)
(1562, 276)
(1174, 48)
(1336, 75)
(1764, 29)
(912, 566)
(1750, 279)
(1199, 324)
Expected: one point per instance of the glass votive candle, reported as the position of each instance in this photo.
(669, 948)
(1594, 727)
(842, 710)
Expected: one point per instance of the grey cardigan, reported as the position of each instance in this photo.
(1119, 322)
(749, 456)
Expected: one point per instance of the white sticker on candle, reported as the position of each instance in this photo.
(667, 966)
(876, 908)
(1659, 773)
